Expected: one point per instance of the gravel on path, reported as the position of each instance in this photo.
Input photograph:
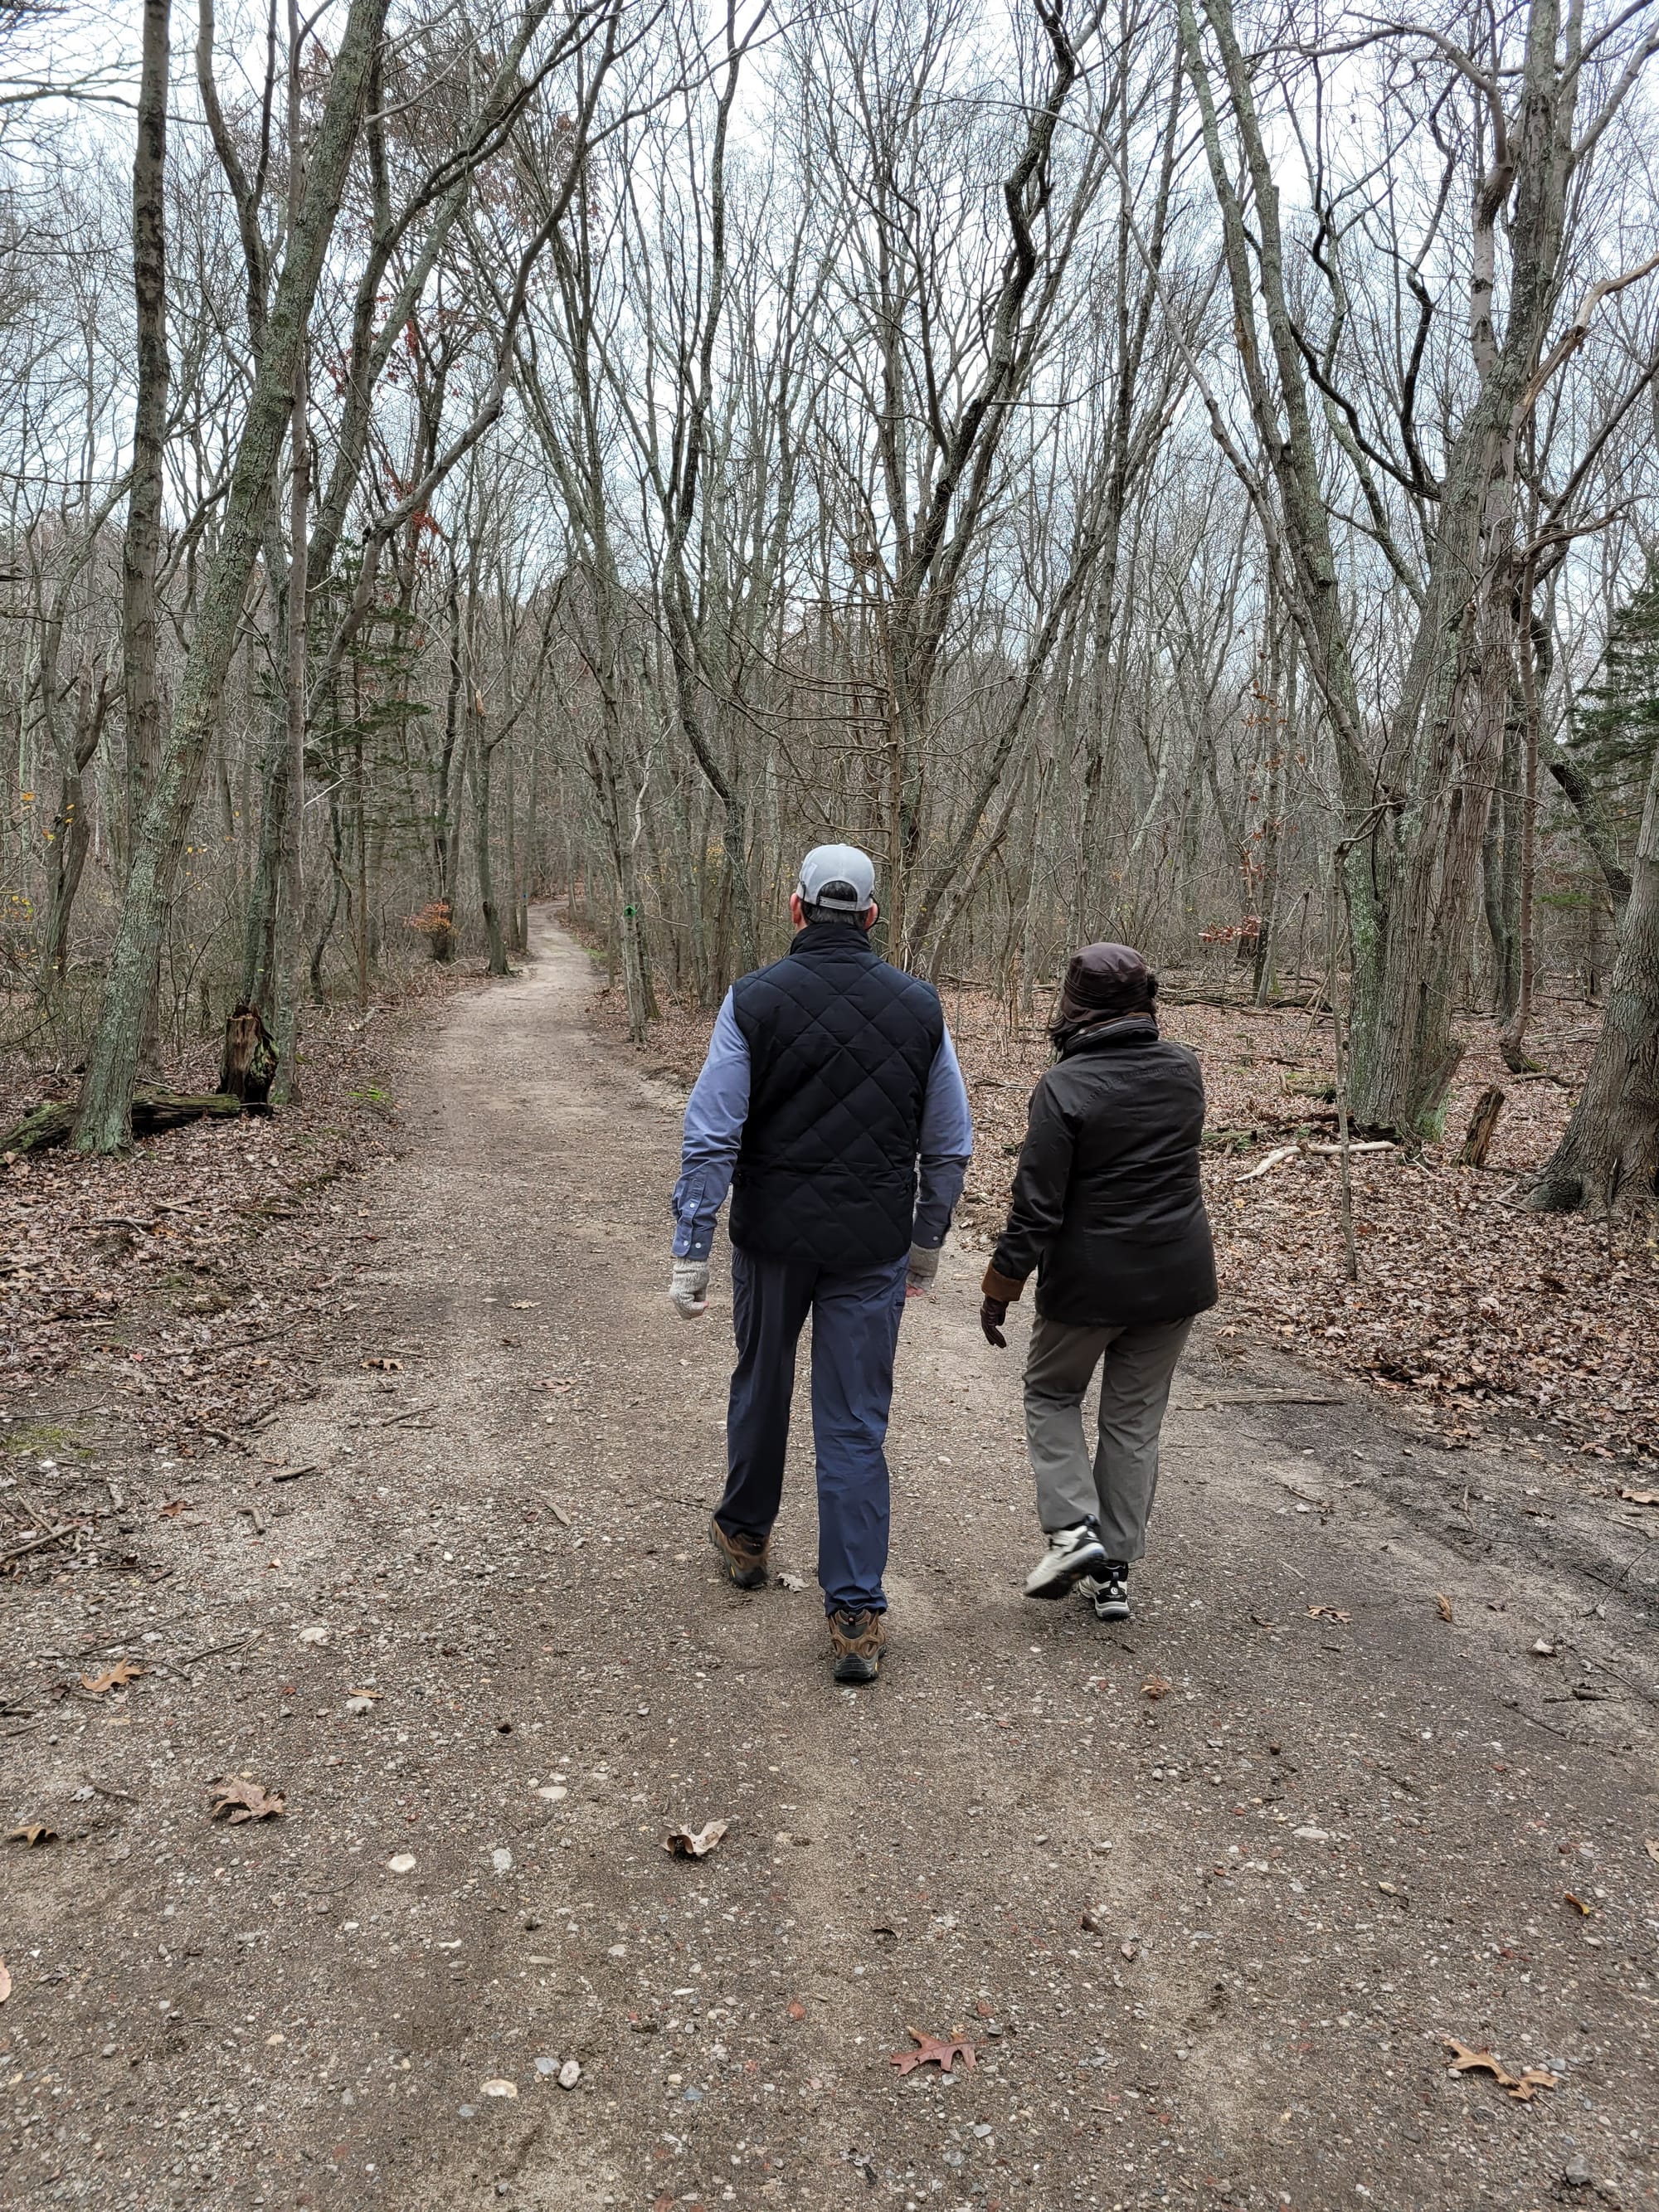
(1205, 1894)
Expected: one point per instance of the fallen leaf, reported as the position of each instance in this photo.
(237, 1801)
(388, 1366)
(1326, 1613)
(1155, 1687)
(695, 1843)
(32, 1832)
(1466, 2060)
(498, 2088)
(796, 2009)
(791, 1582)
(932, 2049)
(114, 1678)
(172, 1509)
(5, 1982)
(1533, 2080)
(523, 1305)
(1443, 1604)
(985, 2008)
(1577, 1903)
(1523, 2086)
(374, 1696)
(1128, 1947)
(1544, 1647)
(1638, 1497)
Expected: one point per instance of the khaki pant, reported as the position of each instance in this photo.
(1116, 1489)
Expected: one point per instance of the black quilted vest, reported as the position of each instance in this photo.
(840, 1049)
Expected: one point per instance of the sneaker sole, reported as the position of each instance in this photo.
(1112, 1612)
(755, 1579)
(1087, 1561)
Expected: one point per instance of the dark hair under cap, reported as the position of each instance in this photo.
(1101, 981)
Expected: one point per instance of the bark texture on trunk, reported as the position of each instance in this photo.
(141, 541)
(1608, 1162)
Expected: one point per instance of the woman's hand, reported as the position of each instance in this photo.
(992, 1312)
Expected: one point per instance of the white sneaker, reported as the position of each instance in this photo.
(1071, 1554)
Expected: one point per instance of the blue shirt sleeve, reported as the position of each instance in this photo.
(947, 1146)
(714, 1115)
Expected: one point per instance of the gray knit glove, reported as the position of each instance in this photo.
(923, 1270)
(689, 1289)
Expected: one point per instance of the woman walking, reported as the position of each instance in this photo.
(1108, 1211)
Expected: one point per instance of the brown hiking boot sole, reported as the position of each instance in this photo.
(858, 1649)
(744, 1561)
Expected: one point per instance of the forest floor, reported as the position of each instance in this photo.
(1373, 1766)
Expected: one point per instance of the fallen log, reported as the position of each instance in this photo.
(152, 1110)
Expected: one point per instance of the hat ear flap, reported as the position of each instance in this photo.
(1152, 986)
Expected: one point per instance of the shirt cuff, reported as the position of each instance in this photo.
(1008, 1288)
(692, 1243)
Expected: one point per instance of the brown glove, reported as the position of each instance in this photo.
(992, 1312)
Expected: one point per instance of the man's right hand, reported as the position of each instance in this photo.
(689, 1289)
(992, 1312)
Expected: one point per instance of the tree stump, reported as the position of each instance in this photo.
(1482, 1123)
(248, 1067)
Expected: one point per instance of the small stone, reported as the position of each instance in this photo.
(402, 1864)
(570, 2074)
(1544, 1647)
(1312, 1835)
(501, 1859)
(553, 1791)
(547, 2065)
(498, 2088)
(1575, 2173)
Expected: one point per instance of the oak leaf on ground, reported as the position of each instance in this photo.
(1327, 1613)
(1443, 1604)
(32, 1832)
(1155, 1687)
(683, 1843)
(112, 1678)
(1521, 2087)
(938, 2050)
(237, 1801)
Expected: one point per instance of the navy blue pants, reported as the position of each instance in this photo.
(855, 1325)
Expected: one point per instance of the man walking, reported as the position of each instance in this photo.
(830, 1077)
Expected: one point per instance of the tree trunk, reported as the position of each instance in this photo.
(1483, 1123)
(104, 1124)
(483, 756)
(141, 542)
(72, 826)
(1609, 1160)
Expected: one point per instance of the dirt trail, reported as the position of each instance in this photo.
(1205, 1942)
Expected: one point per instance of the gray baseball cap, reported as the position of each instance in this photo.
(837, 878)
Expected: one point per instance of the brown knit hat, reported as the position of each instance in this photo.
(1101, 982)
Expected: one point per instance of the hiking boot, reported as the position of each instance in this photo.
(742, 1559)
(1108, 1592)
(857, 1641)
(1073, 1553)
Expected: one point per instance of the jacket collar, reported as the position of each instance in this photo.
(832, 937)
(1127, 1029)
